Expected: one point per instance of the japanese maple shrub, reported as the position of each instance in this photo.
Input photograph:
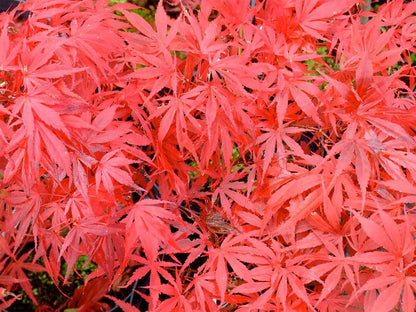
(243, 158)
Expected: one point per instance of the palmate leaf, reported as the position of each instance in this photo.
(225, 118)
(347, 149)
(231, 252)
(338, 266)
(273, 278)
(177, 301)
(160, 66)
(38, 64)
(279, 144)
(158, 74)
(398, 242)
(83, 232)
(158, 270)
(389, 296)
(150, 218)
(109, 168)
(33, 106)
(15, 270)
(229, 189)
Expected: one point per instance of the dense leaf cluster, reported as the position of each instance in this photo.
(237, 157)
